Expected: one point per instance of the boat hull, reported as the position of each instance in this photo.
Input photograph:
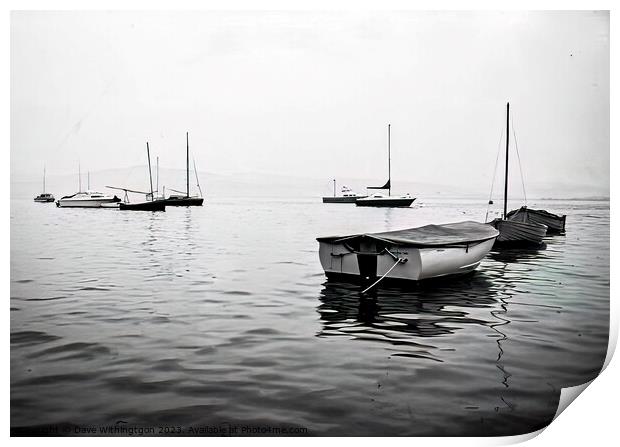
(85, 203)
(184, 201)
(155, 205)
(421, 262)
(514, 233)
(555, 224)
(387, 202)
(44, 200)
(342, 199)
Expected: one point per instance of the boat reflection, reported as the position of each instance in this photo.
(511, 255)
(397, 315)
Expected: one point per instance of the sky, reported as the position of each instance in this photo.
(310, 94)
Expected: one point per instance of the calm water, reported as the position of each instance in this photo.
(220, 317)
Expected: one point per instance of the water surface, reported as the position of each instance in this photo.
(221, 316)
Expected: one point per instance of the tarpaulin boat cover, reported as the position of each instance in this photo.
(525, 209)
(457, 233)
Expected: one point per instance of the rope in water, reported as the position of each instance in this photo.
(399, 260)
(499, 146)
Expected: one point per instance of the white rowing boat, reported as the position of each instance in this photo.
(413, 254)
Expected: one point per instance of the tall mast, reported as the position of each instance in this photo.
(79, 177)
(187, 164)
(506, 174)
(88, 180)
(157, 184)
(389, 163)
(43, 178)
(334, 187)
(148, 155)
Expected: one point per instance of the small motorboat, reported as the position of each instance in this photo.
(555, 224)
(380, 200)
(413, 254)
(86, 199)
(44, 197)
(348, 196)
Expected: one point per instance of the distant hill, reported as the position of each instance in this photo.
(251, 184)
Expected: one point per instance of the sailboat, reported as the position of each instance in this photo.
(44, 197)
(147, 205)
(88, 198)
(516, 231)
(182, 198)
(380, 200)
(556, 224)
(348, 196)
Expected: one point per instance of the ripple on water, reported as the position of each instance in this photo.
(186, 317)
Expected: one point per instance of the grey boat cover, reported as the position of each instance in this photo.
(458, 233)
(525, 209)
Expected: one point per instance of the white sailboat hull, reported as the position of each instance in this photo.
(83, 203)
(86, 199)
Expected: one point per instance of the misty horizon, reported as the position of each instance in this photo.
(312, 94)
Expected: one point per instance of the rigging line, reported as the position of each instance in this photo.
(499, 146)
(518, 158)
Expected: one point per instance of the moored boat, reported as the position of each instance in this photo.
(184, 198)
(516, 231)
(556, 224)
(151, 204)
(86, 199)
(148, 205)
(180, 200)
(380, 200)
(348, 196)
(413, 254)
(44, 197)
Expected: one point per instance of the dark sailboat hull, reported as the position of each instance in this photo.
(387, 202)
(155, 205)
(342, 199)
(184, 201)
(518, 234)
(555, 224)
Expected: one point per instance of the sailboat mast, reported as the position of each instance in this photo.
(43, 178)
(334, 187)
(148, 155)
(389, 163)
(88, 181)
(157, 184)
(187, 164)
(506, 173)
(79, 178)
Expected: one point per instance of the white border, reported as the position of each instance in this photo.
(589, 420)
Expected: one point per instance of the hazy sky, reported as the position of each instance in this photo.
(311, 94)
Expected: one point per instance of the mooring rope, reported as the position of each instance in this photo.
(499, 145)
(518, 158)
(399, 260)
